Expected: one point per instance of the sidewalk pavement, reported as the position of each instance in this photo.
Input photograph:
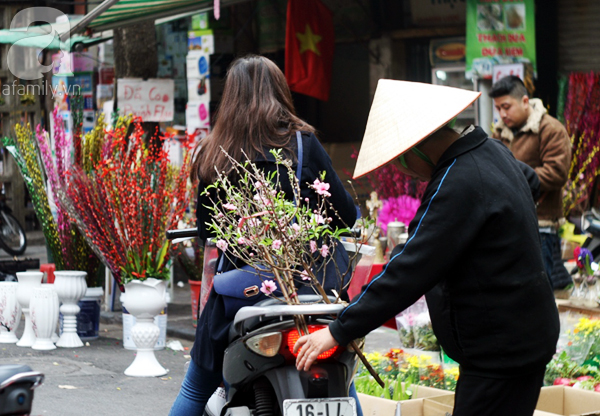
(90, 380)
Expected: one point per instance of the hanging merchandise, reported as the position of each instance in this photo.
(197, 114)
(499, 33)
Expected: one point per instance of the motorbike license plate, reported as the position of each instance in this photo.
(339, 406)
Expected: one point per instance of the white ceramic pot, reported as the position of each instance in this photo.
(144, 300)
(10, 312)
(43, 310)
(70, 286)
(27, 282)
(54, 333)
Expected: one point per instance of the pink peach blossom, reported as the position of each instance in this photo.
(268, 287)
(321, 188)
(222, 245)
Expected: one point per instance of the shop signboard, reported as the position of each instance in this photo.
(499, 32)
(152, 100)
(438, 12)
(447, 51)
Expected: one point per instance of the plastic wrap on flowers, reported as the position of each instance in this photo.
(414, 328)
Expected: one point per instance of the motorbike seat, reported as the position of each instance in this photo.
(9, 370)
(255, 322)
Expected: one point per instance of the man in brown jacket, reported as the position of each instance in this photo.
(541, 141)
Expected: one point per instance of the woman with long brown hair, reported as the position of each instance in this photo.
(256, 114)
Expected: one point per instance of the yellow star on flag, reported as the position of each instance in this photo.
(308, 41)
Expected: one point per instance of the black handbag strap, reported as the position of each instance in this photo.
(300, 158)
(298, 175)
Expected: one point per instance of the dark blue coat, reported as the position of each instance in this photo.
(474, 250)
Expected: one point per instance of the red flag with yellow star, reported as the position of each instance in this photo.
(309, 44)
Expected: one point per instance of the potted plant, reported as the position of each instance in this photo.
(123, 205)
(44, 164)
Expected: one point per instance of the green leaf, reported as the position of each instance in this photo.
(160, 258)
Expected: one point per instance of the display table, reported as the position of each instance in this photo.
(358, 281)
(564, 305)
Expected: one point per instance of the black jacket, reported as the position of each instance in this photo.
(213, 327)
(474, 250)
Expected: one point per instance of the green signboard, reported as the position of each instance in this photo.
(499, 32)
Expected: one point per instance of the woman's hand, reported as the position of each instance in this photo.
(311, 346)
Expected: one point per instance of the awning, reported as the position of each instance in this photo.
(127, 12)
(99, 22)
(48, 37)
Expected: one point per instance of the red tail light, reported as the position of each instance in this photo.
(290, 338)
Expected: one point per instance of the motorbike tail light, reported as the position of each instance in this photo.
(266, 345)
(292, 336)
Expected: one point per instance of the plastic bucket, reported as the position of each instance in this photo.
(195, 286)
(88, 319)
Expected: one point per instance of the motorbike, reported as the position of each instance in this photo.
(12, 235)
(17, 383)
(590, 224)
(259, 363)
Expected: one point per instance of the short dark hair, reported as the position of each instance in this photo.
(509, 85)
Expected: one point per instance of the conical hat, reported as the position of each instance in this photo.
(402, 115)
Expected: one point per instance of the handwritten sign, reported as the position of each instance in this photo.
(152, 100)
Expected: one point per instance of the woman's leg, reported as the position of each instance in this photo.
(352, 393)
(197, 387)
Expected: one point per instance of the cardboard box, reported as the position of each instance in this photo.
(200, 21)
(197, 115)
(553, 401)
(198, 88)
(376, 406)
(66, 63)
(197, 65)
(103, 94)
(88, 101)
(435, 406)
(567, 401)
(106, 75)
(106, 53)
(201, 40)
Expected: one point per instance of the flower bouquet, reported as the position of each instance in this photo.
(292, 242)
(125, 200)
(577, 360)
(44, 164)
(258, 225)
(403, 373)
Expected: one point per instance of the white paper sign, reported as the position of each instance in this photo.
(152, 100)
(501, 71)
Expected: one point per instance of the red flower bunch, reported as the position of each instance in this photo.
(130, 198)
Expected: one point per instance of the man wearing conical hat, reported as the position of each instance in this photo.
(473, 250)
